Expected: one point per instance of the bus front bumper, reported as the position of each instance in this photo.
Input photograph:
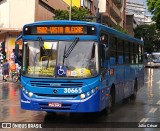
(90, 104)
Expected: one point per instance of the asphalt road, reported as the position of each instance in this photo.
(146, 109)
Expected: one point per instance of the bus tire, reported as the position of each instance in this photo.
(134, 95)
(111, 100)
(15, 79)
(111, 104)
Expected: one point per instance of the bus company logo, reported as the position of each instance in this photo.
(55, 91)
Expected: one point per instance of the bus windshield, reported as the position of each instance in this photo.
(155, 57)
(47, 59)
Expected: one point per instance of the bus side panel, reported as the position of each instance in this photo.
(124, 79)
(120, 82)
(141, 75)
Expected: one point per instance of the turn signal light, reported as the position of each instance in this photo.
(111, 72)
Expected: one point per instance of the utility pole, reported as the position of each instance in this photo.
(70, 10)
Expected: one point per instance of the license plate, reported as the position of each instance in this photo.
(51, 104)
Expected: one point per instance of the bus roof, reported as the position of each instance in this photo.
(100, 27)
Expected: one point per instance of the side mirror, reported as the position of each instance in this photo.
(17, 43)
(103, 73)
(16, 49)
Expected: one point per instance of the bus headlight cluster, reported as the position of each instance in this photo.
(30, 94)
(88, 93)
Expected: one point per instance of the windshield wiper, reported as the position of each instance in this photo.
(70, 48)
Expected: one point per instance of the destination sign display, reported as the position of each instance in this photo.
(60, 30)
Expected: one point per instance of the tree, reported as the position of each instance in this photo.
(150, 36)
(154, 8)
(77, 14)
(119, 28)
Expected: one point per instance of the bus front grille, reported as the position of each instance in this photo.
(52, 84)
(56, 96)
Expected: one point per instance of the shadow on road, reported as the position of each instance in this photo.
(73, 119)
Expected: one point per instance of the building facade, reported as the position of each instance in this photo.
(148, 19)
(131, 24)
(14, 14)
(136, 8)
(113, 12)
(138, 11)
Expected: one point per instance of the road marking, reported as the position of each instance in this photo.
(153, 110)
(144, 120)
(158, 103)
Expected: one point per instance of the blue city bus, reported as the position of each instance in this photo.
(78, 66)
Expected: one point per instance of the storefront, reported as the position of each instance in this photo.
(9, 38)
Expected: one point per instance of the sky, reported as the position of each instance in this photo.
(145, 3)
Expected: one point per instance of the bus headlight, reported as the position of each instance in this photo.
(92, 91)
(30, 94)
(82, 96)
(88, 93)
(26, 92)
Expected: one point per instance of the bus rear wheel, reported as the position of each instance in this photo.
(134, 95)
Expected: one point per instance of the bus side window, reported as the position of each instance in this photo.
(104, 39)
(112, 50)
(131, 53)
(102, 54)
(120, 50)
(140, 54)
(104, 42)
(103, 61)
(137, 54)
(126, 52)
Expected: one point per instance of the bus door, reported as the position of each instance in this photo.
(103, 56)
(104, 73)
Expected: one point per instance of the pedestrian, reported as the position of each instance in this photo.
(12, 68)
(12, 55)
(5, 69)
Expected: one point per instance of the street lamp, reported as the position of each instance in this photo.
(70, 10)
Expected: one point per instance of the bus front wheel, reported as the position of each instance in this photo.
(111, 100)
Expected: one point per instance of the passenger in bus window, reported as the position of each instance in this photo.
(104, 39)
